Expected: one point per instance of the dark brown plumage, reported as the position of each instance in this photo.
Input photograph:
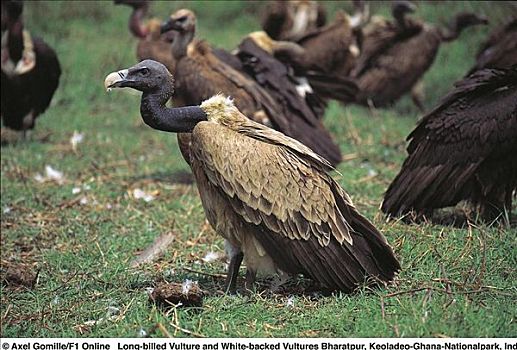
(151, 43)
(464, 149)
(500, 49)
(396, 54)
(331, 49)
(200, 75)
(267, 194)
(30, 72)
(304, 95)
(288, 20)
(292, 93)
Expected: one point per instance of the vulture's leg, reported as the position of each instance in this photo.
(27, 135)
(418, 95)
(236, 257)
(251, 276)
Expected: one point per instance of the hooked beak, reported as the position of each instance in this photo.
(116, 80)
(169, 25)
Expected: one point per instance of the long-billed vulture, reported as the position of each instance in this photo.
(151, 43)
(30, 72)
(200, 74)
(464, 149)
(500, 49)
(396, 54)
(267, 194)
(288, 20)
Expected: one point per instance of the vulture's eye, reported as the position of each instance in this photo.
(144, 71)
(182, 19)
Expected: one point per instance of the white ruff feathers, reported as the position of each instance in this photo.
(217, 106)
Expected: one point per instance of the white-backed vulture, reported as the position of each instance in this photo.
(267, 194)
(500, 49)
(30, 72)
(396, 54)
(200, 75)
(151, 43)
(288, 20)
(464, 149)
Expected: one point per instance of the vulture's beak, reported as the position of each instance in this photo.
(116, 80)
(169, 25)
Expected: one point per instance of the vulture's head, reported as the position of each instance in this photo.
(467, 19)
(136, 4)
(157, 85)
(183, 21)
(11, 12)
(263, 40)
(146, 76)
(401, 8)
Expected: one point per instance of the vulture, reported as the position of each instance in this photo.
(200, 74)
(288, 20)
(331, 49)
(268, 195)
(151, 43)
(396, 54)
(500, 49)
(464, 149)
(304, 95)
(30, 72)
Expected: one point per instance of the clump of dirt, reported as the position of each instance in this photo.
(186, 294)
(18, 274)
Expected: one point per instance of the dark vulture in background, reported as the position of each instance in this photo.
(396, 54)
(500, 49)
(331, 49)
(267, 194)
(200, 74)
(151, 43)
(288, 20)
(299, 94)
(30, 71)
(464, 149)
(292, 94)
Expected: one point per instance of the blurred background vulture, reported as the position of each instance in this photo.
(30, 71)
(464, 149)
(296, 92)
(500, 49)
(267, 194)
(200, 74)
(151, 43)
(288, 20)
(396, 54)
(331, 49)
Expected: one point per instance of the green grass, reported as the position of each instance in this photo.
(454, 282)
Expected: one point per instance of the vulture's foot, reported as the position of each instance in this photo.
(455, 218)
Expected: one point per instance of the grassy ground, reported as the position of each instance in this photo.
(454, 282)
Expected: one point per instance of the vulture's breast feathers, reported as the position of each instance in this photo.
(269, 179)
